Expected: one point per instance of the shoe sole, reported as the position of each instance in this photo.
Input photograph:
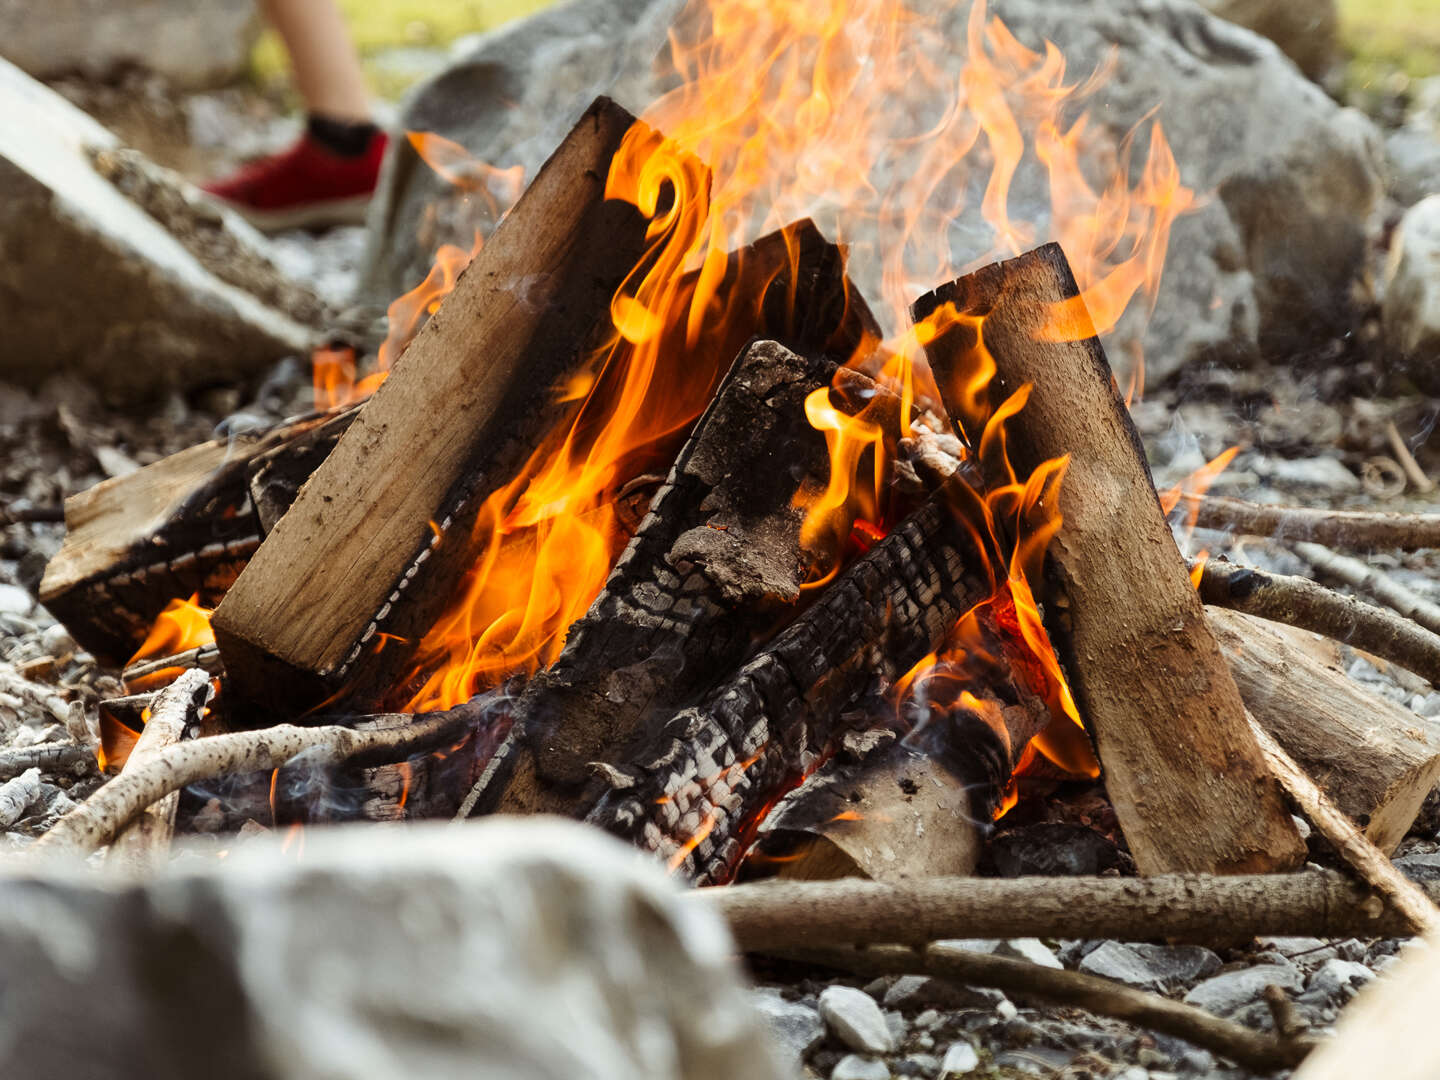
(310, 216)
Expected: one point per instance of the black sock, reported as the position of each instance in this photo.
(344, 137)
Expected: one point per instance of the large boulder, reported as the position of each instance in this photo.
(192, 42)
(92, 284)
(1290, 182)
(508, 949)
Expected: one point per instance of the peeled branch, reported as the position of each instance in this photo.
(16, 796)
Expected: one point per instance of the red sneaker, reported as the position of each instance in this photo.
(303, 187)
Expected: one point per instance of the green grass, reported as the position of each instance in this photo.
(1384, 37)
(381, 25)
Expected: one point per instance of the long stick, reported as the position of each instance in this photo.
(1334, 528)
(1253, 1049)
(787, 915)
(1367, 579)
(1298, 601)
(1364, 857)
(96, 821)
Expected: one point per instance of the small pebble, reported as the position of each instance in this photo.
(856, 1020)
(855, 1067)
(960, 1059)
(15, 601)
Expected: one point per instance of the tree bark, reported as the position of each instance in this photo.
(1189, 785)
(1333, 528)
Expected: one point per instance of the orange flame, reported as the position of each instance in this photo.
(182, 625)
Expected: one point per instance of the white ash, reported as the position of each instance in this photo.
(17, 794)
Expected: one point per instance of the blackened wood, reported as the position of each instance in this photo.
(457, 415)
(696, 792)
(1189, 784)
(276, 476)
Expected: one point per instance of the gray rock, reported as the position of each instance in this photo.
(1338, 980)
(145, 316)
(855, 1067)
(1413, 160)
(855, 1019)
(795, 1028)
(1322, 473)
(1030, 949)
(1231, 991)
(530, 950)
(1151, 967)
(193, 43)
(1308, 33)
(960, 1059)
(1267, 262)
(1410, 312)
(923, 992)
(15, 601)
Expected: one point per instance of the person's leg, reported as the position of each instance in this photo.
(326, 67)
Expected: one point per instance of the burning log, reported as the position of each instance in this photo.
(146, 839)
(455, 419)
(1374, 759)
(706, 776)
(715, 564)
(1188, 782)
(1298, 601)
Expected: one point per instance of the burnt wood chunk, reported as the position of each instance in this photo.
(1189, 784)
(1376, 760)
(702, 779)
(459, 413)
(715, 564)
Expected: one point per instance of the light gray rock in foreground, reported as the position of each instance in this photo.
(855, 1019)
(92, 284)
(192, 42)
(855, 1067)
(1150, 967)
(1293, 181)
(510, 950)
(1227, 993)
(795, 1029)
(1411, 310)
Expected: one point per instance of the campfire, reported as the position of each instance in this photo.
(709, 499)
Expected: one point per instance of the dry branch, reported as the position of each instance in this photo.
(1367, 579)
(1413, 472)
(50, 757)
(1300, 602)
(97, 821)
(1188, 782)
(1198, 908)
(1334, 528)
(206, 657)
(1255, 1050)
(1364, 857)
(176, 708)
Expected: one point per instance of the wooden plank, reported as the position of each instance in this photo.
(471, 384)
(1182, 767)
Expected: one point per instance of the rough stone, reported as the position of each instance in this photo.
(523, 950)
(15, 601)
(855, 1067)
(856, 1020)
(1029, 949)
(194, 43)
(91, 284)
(1308, 33)
(923, 992)
(1422, 868)
(1337, 980)
(1410, 312)
(1151, 967)
(1227, 993)
(796, 1029)
(960, 1059)
(1267, 263)
(1413, 158)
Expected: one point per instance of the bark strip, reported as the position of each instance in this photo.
(1189, 785)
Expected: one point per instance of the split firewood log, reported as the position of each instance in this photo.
(1182, 768)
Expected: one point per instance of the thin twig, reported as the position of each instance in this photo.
(1185, 907)
(1255, 1050)
(1298, 601)
(96, 821)
(1336, 528)
(1364, 857)
(1289, 1024)
(206, 657)
(1367, 579)
(1413, 472)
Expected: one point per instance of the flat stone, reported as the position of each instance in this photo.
(923, 992)
(1029, 949)
(193, 43)
(1338, 979)
(795, 1028)
(1321, 473)
(1151, 967)
(146, 316)
(1266, 264)
(1231, 991)
(856, 1020)
(530, 949)
(960, 1059)
(15, 601)
(855, 1067)
(1410, 311)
